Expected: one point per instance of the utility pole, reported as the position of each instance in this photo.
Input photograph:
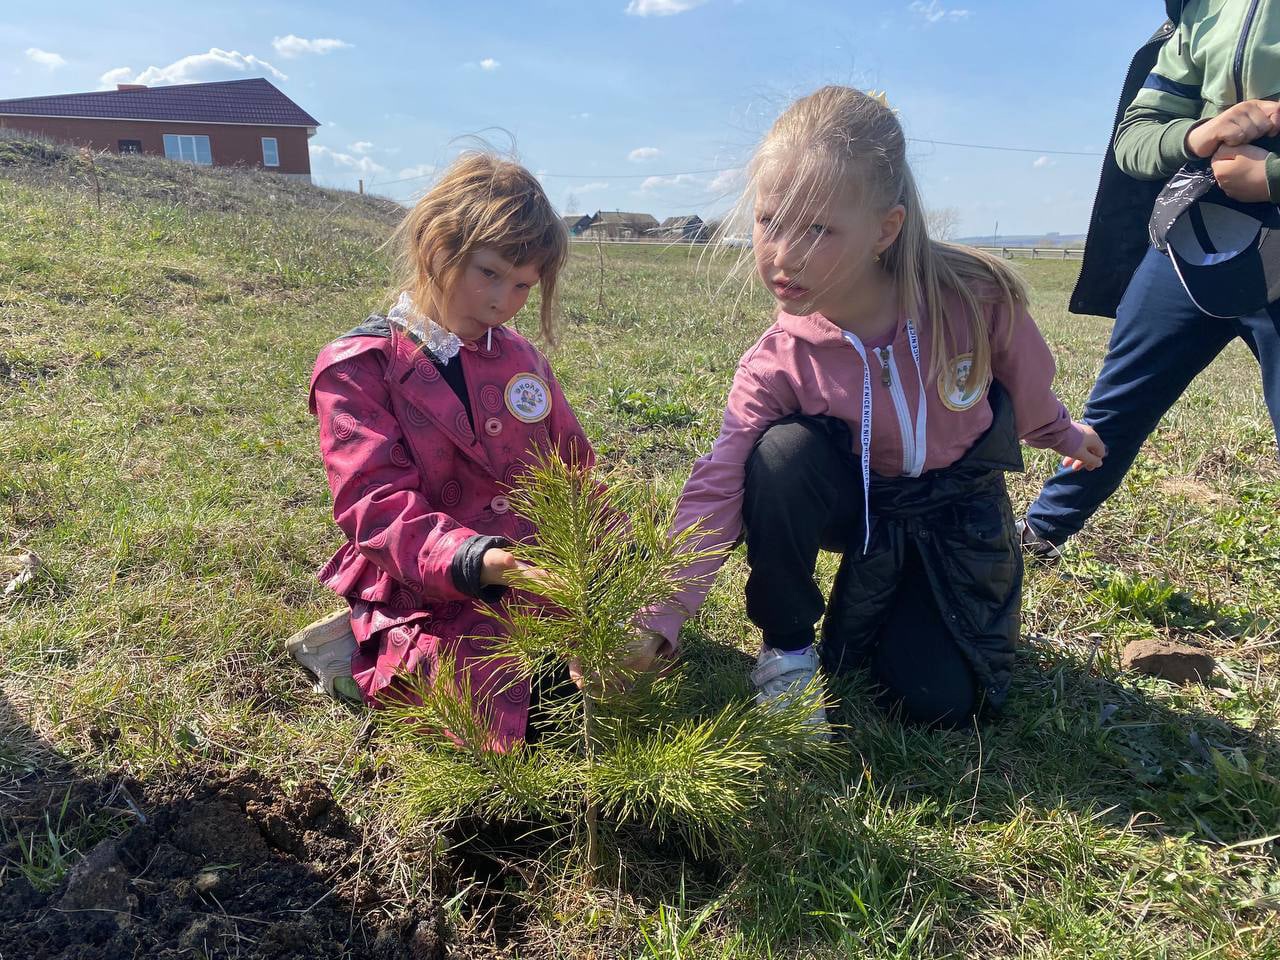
(362, 184)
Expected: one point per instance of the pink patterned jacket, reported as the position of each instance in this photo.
(411, 481)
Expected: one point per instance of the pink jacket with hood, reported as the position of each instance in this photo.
(808, 365)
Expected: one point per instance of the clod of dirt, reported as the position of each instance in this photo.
(100, 883)
(1176, 662)
(231, 867)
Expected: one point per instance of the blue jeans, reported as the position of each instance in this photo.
(1160, 342)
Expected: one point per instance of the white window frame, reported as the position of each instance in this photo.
(275, 149)
(189, 148)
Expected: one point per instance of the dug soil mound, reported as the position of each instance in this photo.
(226, 867)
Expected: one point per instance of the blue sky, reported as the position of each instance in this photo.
(643, 105)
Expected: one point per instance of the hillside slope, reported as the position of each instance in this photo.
(158, 323)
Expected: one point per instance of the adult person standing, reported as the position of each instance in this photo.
(1203, 88)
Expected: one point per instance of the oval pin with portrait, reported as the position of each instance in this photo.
(528, 397)
(957, 387)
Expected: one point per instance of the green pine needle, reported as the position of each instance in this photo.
(622, 749)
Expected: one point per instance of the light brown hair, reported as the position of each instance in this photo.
(481, 200)
(838, 137)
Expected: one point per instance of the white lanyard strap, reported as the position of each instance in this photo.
(920, 434)
(919, 441)
(865, 431)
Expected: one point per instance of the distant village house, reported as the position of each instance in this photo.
(234, 123)
(575, 223)
(617, 225)
(689, 228)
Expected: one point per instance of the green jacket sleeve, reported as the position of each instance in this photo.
(1273, 177)
(1151, 139)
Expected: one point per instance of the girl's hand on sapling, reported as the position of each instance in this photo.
(645, 654)
(501, 567)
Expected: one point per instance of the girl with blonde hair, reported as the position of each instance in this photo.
(875, 417)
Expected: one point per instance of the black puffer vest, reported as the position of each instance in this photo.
(959, 521)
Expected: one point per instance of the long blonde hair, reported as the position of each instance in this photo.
(838, 137)
(481, 200)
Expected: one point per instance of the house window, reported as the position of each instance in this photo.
(128, 146)
(270, 152)
(188, 149)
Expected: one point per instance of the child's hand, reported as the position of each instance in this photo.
(1235, 127)
(1241, 172)
(496, 566)
(645, 654)
(501, 567)
(1091, 452)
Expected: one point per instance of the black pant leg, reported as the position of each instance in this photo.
(802, 493)
(546, 689)
(915, 660)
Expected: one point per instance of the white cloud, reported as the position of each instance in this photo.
(361, 146)
(1040, 162)
(50, 61)
(726, 180)
(365, 165)
(661, 8)
(421, 170)
(291, 46)
(580, 116)
(641, 154)
(118, 75)
(590, 187)
(488, 63)
(678, 180)
(935, 12)
(213, 65)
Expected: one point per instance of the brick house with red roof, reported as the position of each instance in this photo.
(233, 123)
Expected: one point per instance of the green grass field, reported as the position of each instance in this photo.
(156, 452)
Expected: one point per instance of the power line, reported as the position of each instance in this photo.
(988, 146)
(693, 173)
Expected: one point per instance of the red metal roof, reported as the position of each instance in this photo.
(229, 101)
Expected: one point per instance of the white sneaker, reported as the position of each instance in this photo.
(779, 674)
(325, 648)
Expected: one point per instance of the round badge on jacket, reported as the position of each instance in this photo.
(528, 397)
(957, 389)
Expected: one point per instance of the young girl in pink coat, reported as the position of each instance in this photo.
(427, 416)
(875, 418)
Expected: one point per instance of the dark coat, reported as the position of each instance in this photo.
(959, 521)
(1118, 236)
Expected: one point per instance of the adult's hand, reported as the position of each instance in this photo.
(1234, 127)
(1241, 172)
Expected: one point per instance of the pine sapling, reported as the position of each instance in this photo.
(621, 745)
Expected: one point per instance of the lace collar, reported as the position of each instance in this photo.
(442, 344)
